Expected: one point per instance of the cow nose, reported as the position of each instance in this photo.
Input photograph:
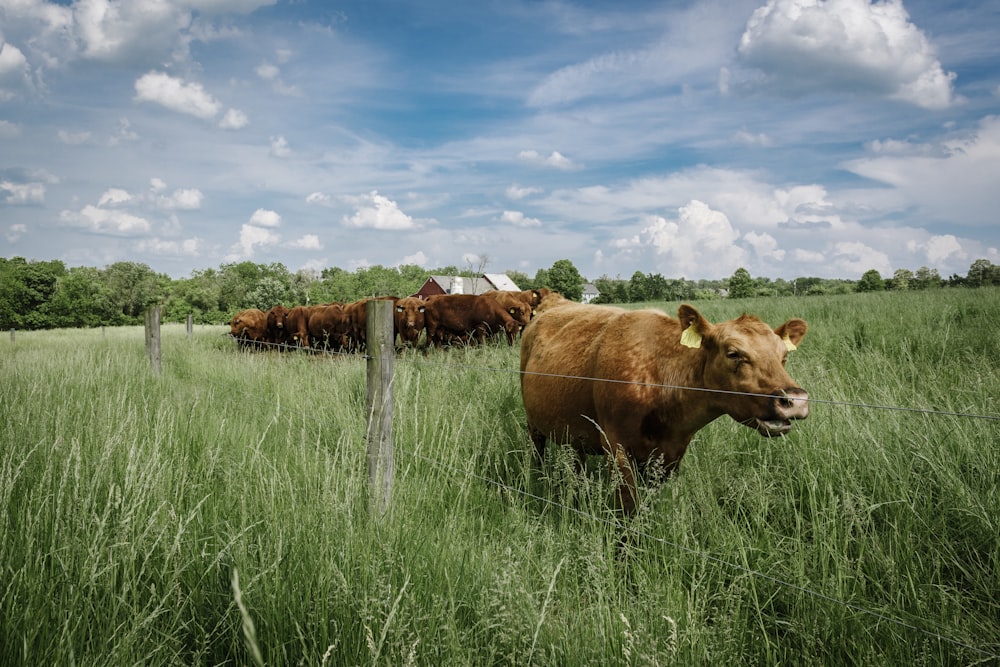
(792, 403)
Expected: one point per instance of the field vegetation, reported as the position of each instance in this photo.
(218, 513)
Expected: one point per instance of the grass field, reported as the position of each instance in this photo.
(219, 514)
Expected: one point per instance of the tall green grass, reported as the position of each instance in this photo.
(147, 519)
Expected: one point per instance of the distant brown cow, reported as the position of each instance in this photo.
(276, 325)
(466, 317)
(297, 326)
(666, 380)
(357, 315)
(515, 306)
(249, 328)
(328, 326)
(408, 318)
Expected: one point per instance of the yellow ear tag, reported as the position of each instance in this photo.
(691, 338)
(789, 344)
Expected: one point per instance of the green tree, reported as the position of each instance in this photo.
(902, 279)
(564, 278)
(871, 281)
(741, 285)
(926, 278)
(133, 287)
(81, 299)
(25, 287)
(982, 272)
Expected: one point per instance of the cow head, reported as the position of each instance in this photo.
(276, 317)
(744, 359)
(409, 318)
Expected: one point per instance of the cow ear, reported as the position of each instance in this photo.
(694, 327)
(792, 332)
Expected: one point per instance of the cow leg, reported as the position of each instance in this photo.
(538, 438)
(622, 468)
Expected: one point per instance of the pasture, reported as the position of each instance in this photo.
(218, 514)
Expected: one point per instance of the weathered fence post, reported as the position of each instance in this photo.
(381, 337)
(190, 326)
(153, 337)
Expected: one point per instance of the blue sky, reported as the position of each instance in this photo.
(789, 137)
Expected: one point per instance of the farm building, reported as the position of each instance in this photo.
(590, 292)
(462, 285)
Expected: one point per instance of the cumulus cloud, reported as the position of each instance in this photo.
(265, 218)
(252, 237)
(518, 219)
(764, 246)
(176, 95)
(113, 222)
(113, 197)
(698, 236)
(375, 211)
(853, 258)
(185, 199)
(15, 73)
(307, 242)
(516, 192)
(15, 232)
(23, 194)
(234, 119)
(319, 198)
(184, 248)
(807, 46)
(418, 258)
(554, 160)
(939, 249)
(279, 147)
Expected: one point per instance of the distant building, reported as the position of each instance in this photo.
(590, 292)
(463, 285)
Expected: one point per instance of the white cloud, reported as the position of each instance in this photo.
(265, 218)
(518, 219)
(807, 46)
(951, 181)
(319, 198)
(9, 129)
(114, 197)
(516, 192)
(123, 132)
(267, 71)
(107, 221)
(279, 147)
(15, 74)
(307, 242)
(764, 246)
(155, 246)
(374, 211)
(853, 258)
(15, 232)
(940, 249)
(699, 236)
(252, 237)
(73, 138)
(186, 199)
(157, 184)
(176, 95)
(748, 138)
(418, 258)
(234, 120)
(20, 194)
(555, 160)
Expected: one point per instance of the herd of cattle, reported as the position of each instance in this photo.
(634, 385)
(446, 319)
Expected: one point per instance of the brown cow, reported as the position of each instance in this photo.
(466, 317)
(328, 326)
(249, 328)
(357, 315)
(408, 318)
(515, 306)
(666, 379)
(276, 325)
(297, 326)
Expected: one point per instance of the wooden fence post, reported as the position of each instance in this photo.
(153, 337)
(381, 338)
(190, 326)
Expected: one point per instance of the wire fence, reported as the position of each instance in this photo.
(920, 626)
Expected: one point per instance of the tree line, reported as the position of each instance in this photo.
(48, 294)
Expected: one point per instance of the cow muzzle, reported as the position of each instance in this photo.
(786, 405)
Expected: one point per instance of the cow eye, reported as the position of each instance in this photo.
(734, 355)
